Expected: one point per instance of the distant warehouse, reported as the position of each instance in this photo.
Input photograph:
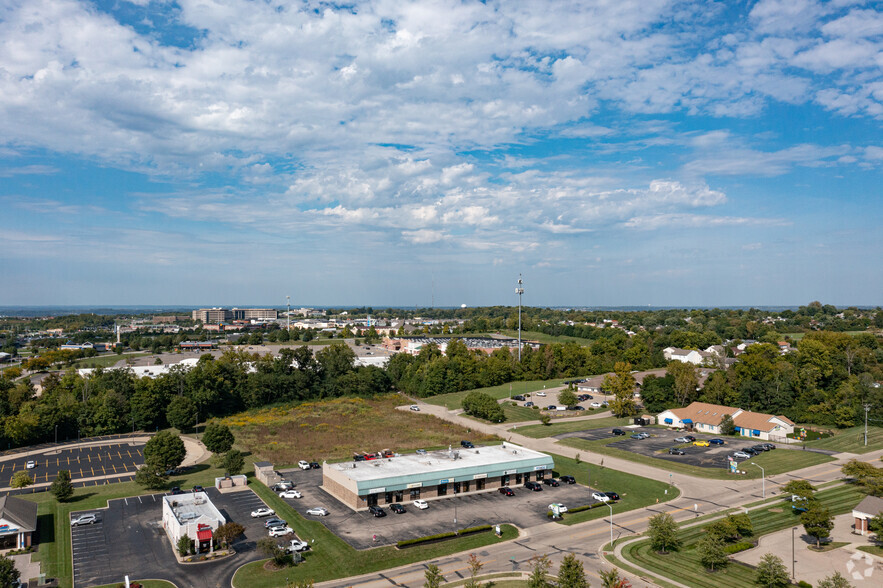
(435, 474)
(219, 315)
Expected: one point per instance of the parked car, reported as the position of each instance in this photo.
(415, 408)
(644, 434)
(506, 491)
(576, 407)
(595, 405)
(303, 464)
(296, 546)
(551, 482)
(682, 440)
(741, 455)
(701, 443)
(274, 522)
(769, 446)
(282, 486)
(377, 511)
(716, 441)
(759, 448)
(636, 436)
(541, 394)
(533, 486)
(421, 504)
(198, 488)
(567, 480)
(397, 508)
(518, 397)
(318, 511)
(290, 494)
(612, 495)
(467, 444)
(561, 507)
(751, 451)
(528, 403)
(315, 465)
(31, 465)
(175, 491)
(551, 407)
(689, 438)
(262, 512)
(618, 432)
(84, 519)
(600, 496)
(676, 451)
(584, 397)
(280, 531)
(421, 452)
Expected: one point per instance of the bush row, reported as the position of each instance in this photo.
(589, 506)
(444, 536)
(737, 547)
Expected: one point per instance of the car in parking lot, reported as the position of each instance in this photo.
(716, 441)
(175, 491)
(303, 464)
(644, 434)
(518, 397)
(701, 443)
(533, 486)
(584, 397)
(541, 394)
(676, 451)
(528, 403)
(84, 519)
(769, 446)
(612, 495)
(296, 546)
(751, 451)
(551, 407)
(291, 493)
(318, 511)
(397, 508)
(198, 488)
(507, 491)
(421, 504)
(636, 436)
(551, 482)
(682, 440)
(376, 511)
(274, 522)
(421, 452)
(280, 531)
(262, 512)
(561, 507)
(595, 405)
(759, 448)
(600, 496)
(31, 465)
(576, 407)
(467, 444)
(567, 480)
(314, 465)
(741, 455)
(618, 432)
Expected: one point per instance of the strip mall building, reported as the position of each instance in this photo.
(436, 474)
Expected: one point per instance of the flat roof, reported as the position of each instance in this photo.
(191, 507)
(448, 465)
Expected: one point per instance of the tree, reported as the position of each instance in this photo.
(151, 476)
(875, 525)
(165, 450)
(268, 547)
(571, 574)
(685, 381)
(483, 406)
(663, 532)
(181, 413)
(835, 580)
(21, 479)
(771, 572)
(8, 572)
(539, 573)
(568, 398)
(622, 385)
(233, 462)
(217, 438)
(800, 488)
(475, 566)
(434, 577)
(62, 487)
(611, 579)
(228, 532)
(817, 521)
(728, 427)
(711, 552)
(185, 545)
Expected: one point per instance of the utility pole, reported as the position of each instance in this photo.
(288, 326)
(867, 408)
(792, 552)
(519, 290)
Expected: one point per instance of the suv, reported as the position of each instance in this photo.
(618, 432)
(377, 511)
(533, 486)
(467, 444)
(551, 482)
(518, 397)
(397, 508)
(303, 464)
(85, 519)
(567, 480)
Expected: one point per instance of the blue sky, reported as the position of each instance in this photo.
(629, 152)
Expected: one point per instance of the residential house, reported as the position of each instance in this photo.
(706, 418)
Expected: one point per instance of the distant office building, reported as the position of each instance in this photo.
(220, 315)
(159, 320)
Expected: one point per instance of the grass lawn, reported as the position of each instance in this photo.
(851, 440)
(872, 549)
(540, 431)
(685, 566)
(334, 429)
(545, 339)
(493, 580)
(774, 462)
(455, 399)
(634, 491)
(518, 413)
(106, 360)
(332, 558)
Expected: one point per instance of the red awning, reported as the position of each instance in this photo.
(204, 535)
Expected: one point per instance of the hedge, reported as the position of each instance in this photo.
(443, 536)
(589, 506)
(737, 547)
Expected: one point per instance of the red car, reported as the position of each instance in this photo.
(507, 491)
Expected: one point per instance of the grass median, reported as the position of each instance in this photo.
(552, 429)
(685, 566)
(455, 399)
(332, 558)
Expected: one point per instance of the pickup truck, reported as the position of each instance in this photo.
(296, 546)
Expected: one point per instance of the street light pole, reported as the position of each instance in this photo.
(762, 478)
(56, 434)
(519, 290)
(792, 552)
(610, 506)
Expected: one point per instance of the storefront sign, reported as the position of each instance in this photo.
(539, 468)
(479, 476)
(445, 481)
(415, 485)
(509, 472)
(376, 490)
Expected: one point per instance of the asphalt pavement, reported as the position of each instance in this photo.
(82, 462)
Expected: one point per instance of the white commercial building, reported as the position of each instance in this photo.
(193, 515)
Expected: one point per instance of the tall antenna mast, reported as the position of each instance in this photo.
(288, 300)
(519, 290)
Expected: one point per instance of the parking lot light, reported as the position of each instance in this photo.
(762, 479)
(610, 506)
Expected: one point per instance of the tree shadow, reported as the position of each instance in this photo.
(45, 528)
(80, 497)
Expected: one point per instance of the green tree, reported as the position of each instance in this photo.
(184, 545)
(622, 385)
(151, 476)
(483, 406)
(539, 573)
(233, 462)
(663, 533)
(611, 579)
(181, 413)
(728, 427)
(8, 573)
(800, 488)
(545, 419)
(571, 574)
(711, 552)
(875, 525)
(475, 566)
(434, 577)
(21, 479)
(771, 572)
(228, 532)
(685, 381)
(165, 450)
(268, 547)
(835, 580)
(568, 398)
(62, 487)
(217, 438)
(817, 521)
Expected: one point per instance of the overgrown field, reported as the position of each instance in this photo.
(541, 431)
(851, 440)
(334, 429)
(455, 399)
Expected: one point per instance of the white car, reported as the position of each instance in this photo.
(421, 504)
(262, 512)
(318, 511)
(595, 405)
(682, 440)
(600, 496)
(296, 546)
(741, 455)
(31, 465)
(415, 408)
(84, 519)
(280, 531)
(290, 494)
(561, 507)
(304, 465)
(541, 394)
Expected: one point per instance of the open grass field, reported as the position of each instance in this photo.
(544, 338)
(773, 462)
(455, 399)
(634, 491)
(685, 567)
(106, 360)
(334, 429)
(851, 440)
(541, 431)
(332, 558)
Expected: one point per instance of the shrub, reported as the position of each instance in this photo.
(444, 536)
(738, 546)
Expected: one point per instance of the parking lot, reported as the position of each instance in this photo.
(129, 539)
(82, 462)
(525, 509)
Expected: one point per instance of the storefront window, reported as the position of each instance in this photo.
(442, 489)
(415, 493)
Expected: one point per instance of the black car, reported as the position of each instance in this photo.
(377, 511)
(198, 489)
(175, 490)
(467, 444)
(518, 397)
(551, 482)
(676, 451)
(358, 458)
(618, 432)
(612, 495)
(576, 407)
(397, 508)
(691, 438)
(551, 407)
(750, 451)
(759, 448)
(567, 480)
(533, 486)
(506, 491)
(769, 446)
(314, 465)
